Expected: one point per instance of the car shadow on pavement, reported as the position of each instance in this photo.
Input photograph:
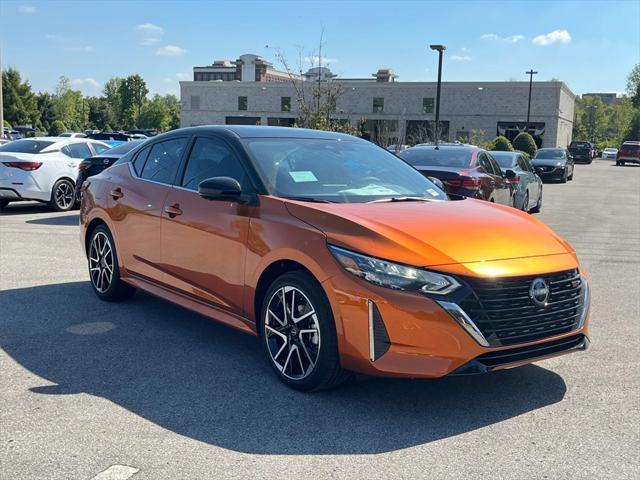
(211, 383)
(58, 220)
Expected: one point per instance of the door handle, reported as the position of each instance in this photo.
(116, 193)
(173, 210)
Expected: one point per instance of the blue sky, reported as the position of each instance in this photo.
(590, 45)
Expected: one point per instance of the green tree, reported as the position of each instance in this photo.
(155, 114)
(56, 128)
(133, 94)
(7, 124)
(633, 86)
(46, 107)
(173, 104)
(100, 113)
(19, 102)
(525, 143)
(113, 99)
(501, 144)
(69, 105)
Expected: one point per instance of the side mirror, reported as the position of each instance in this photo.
(437, 182)
(220, 188)
(509, 174)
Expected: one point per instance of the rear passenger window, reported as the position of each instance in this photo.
(138, 162)
(163, 161)
(99, 148)
(78, 150)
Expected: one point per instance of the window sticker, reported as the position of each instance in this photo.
(303, 176)
(432, 192)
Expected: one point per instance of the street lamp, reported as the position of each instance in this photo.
(531, 73)
(440, 49)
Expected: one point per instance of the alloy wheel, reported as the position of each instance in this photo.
(101, 263)
(292, 332)
(64, 195)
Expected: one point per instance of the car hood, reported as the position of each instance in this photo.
(547, 162)
(428, 234)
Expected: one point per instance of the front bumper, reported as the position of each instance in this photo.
(410, 335)
(558, 173)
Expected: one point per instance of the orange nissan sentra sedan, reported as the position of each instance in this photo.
(339, 256)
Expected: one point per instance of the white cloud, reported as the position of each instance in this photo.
(150, 41)
(507, 39)
(170, 51)
(81, 82)
(150, 29)
(184, 76)
(79, 49)
(28, 9)
(315, 59)
(557, 36)
(461, 58)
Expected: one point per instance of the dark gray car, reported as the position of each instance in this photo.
(527, 184)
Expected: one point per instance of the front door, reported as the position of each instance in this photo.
(203, 241)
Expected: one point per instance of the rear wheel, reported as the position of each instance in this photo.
(63, 196)
(298, 334)
(103, 267)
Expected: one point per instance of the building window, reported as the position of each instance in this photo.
(285, 104)
(242, 103)
(427, 105)
(378, 104)
(195, 102)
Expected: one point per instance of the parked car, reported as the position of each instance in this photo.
(465, 170)
(93, 165)
(72, 135)
(629, 153)
(582, 151)
(113, 139)
(610, 153)
(143, 131)
(91, 131)
(43, 169)
(553, 164)
(527, 184)
(338, 255)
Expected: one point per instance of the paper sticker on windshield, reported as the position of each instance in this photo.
(433, 192)
(303, 176)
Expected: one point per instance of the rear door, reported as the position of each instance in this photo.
(136, 198)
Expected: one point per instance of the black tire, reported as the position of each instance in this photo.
(323, 373)
(563, 179)
(60, 199)
(3, 204)
(116, 290)
(570, 178)
(538, 206)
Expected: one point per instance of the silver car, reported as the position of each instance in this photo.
(527, 184)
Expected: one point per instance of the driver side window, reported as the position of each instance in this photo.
(212, 158)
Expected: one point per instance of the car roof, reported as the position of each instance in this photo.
(259, 131)
(551, 148)
(470, 148)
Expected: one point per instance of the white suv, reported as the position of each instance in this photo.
(44, 169)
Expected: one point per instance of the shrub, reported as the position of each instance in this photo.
(501, 144)
(7, 124)
(57, 128)
(526, 143)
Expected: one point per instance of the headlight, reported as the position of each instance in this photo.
(393, 275)
(559, 164)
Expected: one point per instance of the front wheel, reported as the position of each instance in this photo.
(63, 196)
(3, 204)
(103, 267)
(298, 334)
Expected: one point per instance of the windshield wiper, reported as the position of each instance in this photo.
(309, 199)
(402, 199)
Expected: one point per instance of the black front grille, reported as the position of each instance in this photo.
(545, 169)
(505, 313)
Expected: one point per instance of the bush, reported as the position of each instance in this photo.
(57, 128)
(7, 125)
(501, 144)
(526, 143)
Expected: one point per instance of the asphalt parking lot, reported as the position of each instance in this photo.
(85, 386)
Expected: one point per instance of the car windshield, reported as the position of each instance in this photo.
(336, 171)
(551, 153)
(504, 159)
(123, 148)
(443, 157)
(26, 146)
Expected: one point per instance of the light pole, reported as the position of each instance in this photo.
(440, 49)
(531, 73)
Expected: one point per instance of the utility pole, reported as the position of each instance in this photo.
(531, 73)
(440, 49)
(1, 104)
